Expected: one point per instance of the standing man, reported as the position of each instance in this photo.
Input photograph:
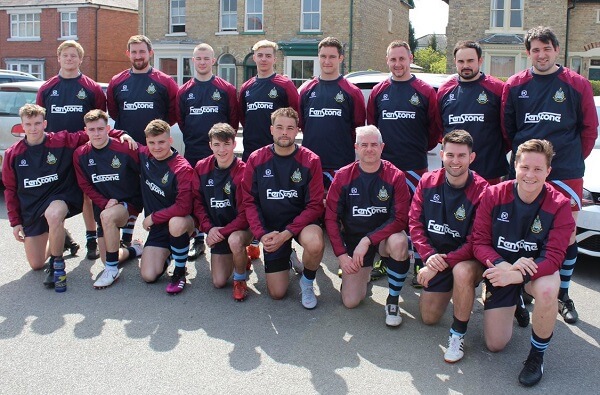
(259, 97)
(441, 217)
(218, 210)
(471, 100)
(521, 233)
(108, 171)
(405, 109)
(283, 198)
(67, 97)
(331, 108)
(202, 102)
(166, 180)
(549, 101)
(367, 211)
(139, 95)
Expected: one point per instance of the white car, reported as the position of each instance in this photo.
(588, 221)
(15, 94)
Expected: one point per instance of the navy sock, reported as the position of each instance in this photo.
(309, 274)
(566, 271)
(91, 235)
(112, 259)
(459, 328)
(538, 344)
(396, 272)
(180, 246)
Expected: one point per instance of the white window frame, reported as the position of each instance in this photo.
(180, 52)
(223, 13)
(517, 54)
(303, 13)
(287, 65)
(180, 15)
(248, 14)
(70, 13)
(26, 66)
(598, 16)
(230, 67)
(506, 20)
(36, 18)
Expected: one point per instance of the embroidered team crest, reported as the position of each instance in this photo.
(81, 95)
(151, 89)
(216, 96)
(165, 178)
(460, 214)
(482, 99)
(383, 194)
(339, 97)
(273, 93)
(227, 188)
(116, 163)
(51, 159)
(297, 176)
(537, 225)
(414, 100)
(559, 96)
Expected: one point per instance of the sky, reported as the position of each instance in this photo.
(429, 16)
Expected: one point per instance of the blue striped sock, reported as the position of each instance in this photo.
(396, 272)
(180, 246)
(566, 270)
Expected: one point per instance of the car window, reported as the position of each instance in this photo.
(12, 101)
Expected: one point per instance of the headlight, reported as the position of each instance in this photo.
(587, 199)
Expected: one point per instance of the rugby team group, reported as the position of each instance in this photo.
(477, 218)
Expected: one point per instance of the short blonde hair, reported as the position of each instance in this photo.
(70, 44)
(156, 128)
(204, 47)
(30, 110)
(265, 44)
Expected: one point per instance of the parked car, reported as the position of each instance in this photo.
(14, 95)
(15, 76)
(588, 221)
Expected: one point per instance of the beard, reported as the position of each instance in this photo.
(140, 64)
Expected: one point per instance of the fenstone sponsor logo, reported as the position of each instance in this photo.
(462, 118)
(219, 203)
(259, 105)
(516, 246)
(542, 116)
(138, 105)
(441, 229)
(324, 112)
(368, 211)
(154, 188)
(204, 110)
(393, 115)
(54, 109)
(37, 182)
(96, 178)
(281, 194)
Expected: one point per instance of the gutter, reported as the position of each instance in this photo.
(351, 29)
(567, 31)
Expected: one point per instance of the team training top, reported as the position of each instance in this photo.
(282, 192)
(558, 107)
(218, 196)
(330, 111)
(374, 205)
(200, 105)
(259, 97)
(475, 107)
(67, 100)
(136, 99)
(506, 228)
(36, 175)
(407, 115)
(166, 186)
(111, 172)
(441, 216)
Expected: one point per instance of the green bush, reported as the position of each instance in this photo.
(431, 60)
(596, 87)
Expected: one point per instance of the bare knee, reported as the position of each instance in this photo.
(219, 281)
(236, 242)
(495, 345)
(351, 301)
(428, 318)
(397, 246)
(178, 226)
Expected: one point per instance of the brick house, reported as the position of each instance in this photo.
(232, 27)
(499, 26)
(33, 29)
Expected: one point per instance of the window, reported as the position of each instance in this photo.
(594, 69)
(226, 69)
(177, 16)
(228, 20)
(25, 26)
(301, 68)
(177, 66)
(502, 66)
(254, 15)
(506, 14)
(311, 15)
(249, 67)
(68, 24)
(576, 64)
(34, 67)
